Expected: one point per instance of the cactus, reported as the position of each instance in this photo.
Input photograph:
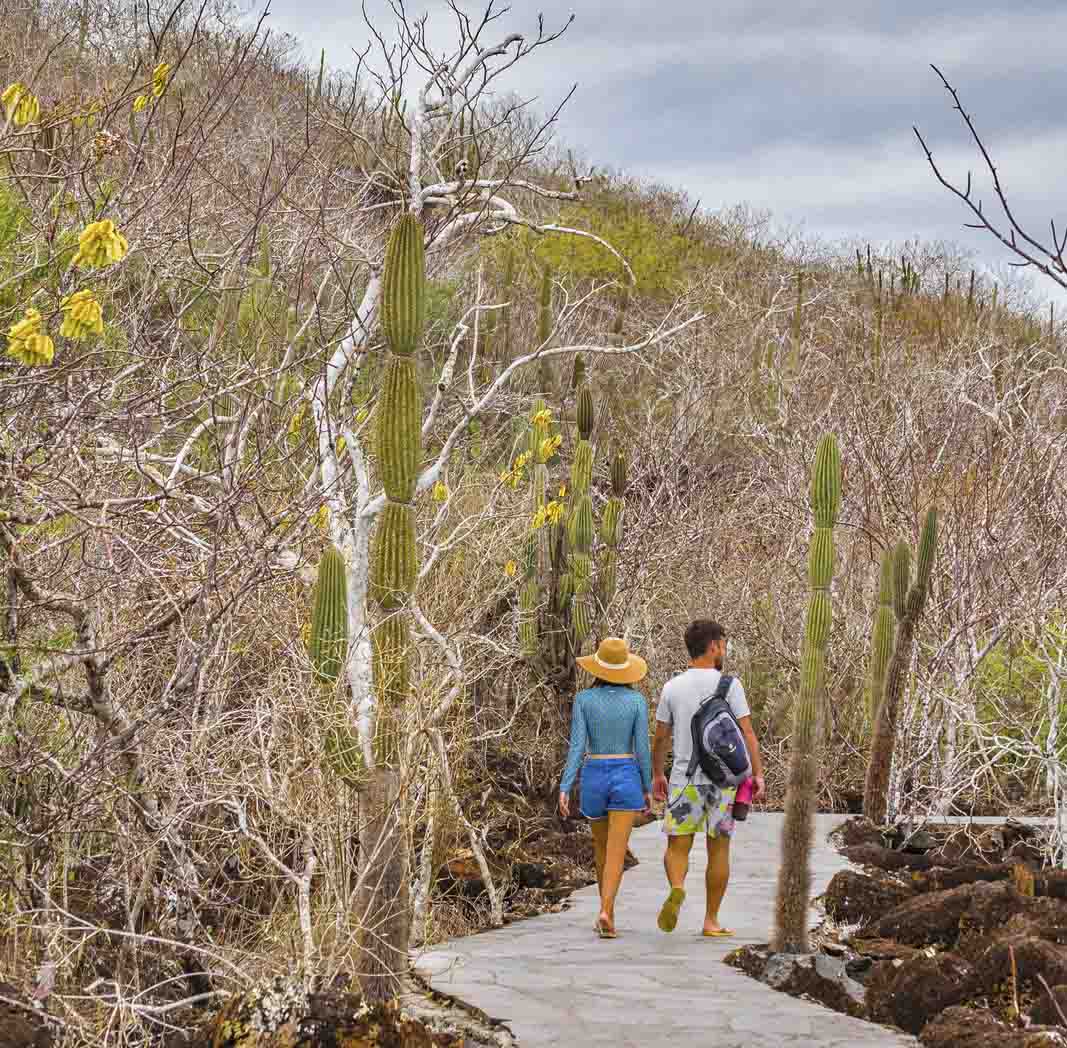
(398, 452)
(586, 415)
(403, 307)
(882, 633)
(908, 611)
(794, 877)
(329, 618)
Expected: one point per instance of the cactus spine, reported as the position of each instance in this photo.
(908, 610)
(882, 632)
(794, 878)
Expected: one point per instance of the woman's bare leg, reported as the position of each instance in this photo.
(620, 823)
(600, 847)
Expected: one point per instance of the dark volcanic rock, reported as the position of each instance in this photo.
(1050, 1008)
(852, 896)
(22, 1025)
(927, 919)
(886, 858)
(910, 993)
(973, 1028)
(817, 976)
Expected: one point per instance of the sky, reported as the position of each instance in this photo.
(796, 107)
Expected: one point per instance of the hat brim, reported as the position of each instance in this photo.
(634, 670)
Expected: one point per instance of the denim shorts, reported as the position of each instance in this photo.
(612, 784)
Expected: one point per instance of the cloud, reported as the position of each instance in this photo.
(804, 108)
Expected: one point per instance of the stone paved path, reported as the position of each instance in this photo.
(556, 984)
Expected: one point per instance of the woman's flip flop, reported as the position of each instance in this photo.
(603, 930)
(722, 933)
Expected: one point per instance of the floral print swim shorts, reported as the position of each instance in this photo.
(696, 808)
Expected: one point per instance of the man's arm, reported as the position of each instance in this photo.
(753, 751)
(659, 760)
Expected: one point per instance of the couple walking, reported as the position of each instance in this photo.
(620, 778)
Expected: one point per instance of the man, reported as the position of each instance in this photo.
(696, 805)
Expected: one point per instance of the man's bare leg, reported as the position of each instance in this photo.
(715, 880)
(676, 865)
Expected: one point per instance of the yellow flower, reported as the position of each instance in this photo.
(439, 492)
(159, 78)
(296, 423)
(27, 343)
(549, 446)
(140, 103)
(542, 420)
(341, 445)
(510, 568)
(563, 491)
(553, 511)
(100, 244)
(539, 518)
(20, 104)
(82, 316)
(520, 462)
(361, 416)
(321, 517)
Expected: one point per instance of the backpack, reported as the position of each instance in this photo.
(719, 748)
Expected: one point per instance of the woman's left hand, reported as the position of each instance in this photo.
(564, 805)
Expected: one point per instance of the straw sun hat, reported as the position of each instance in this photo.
(614, 662)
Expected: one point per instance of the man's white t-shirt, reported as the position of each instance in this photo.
(680, 699)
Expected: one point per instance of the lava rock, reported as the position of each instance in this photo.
(818, 977)
(910, 993)
(960, 1027)
(852, 897)
(927, 919)
(1050, 1008)
(22, 1025)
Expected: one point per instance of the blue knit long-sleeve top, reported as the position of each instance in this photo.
(608, 719)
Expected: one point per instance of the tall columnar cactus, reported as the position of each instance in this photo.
(328, 648)
(398, 448)
(883, 630)
(908, 611)
(329, 617)
(794, 876)
(544, 331)
(394, 566)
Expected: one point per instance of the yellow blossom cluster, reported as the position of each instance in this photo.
(20, 104)
(160, 76)
(512, 478)
(439, 492)
(82, 316)
(510, 568)
(88, 117)
(542, 419)
(27, 343)
(321, 517)
(100, 244)
(549, 446)
(549, 514)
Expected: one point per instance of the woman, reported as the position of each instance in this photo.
(610, 730)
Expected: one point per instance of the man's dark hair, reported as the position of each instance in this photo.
(701, 633)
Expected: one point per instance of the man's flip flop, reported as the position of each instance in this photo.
(722, 933)
(668, 914)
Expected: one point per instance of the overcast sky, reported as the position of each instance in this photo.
(799, 107)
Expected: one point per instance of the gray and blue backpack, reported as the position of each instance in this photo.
(719, 748)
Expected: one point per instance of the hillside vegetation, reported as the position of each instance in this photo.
(192, 233)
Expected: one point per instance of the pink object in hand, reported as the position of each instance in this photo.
(743, 800)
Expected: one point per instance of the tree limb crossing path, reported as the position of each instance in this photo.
(556, 985)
